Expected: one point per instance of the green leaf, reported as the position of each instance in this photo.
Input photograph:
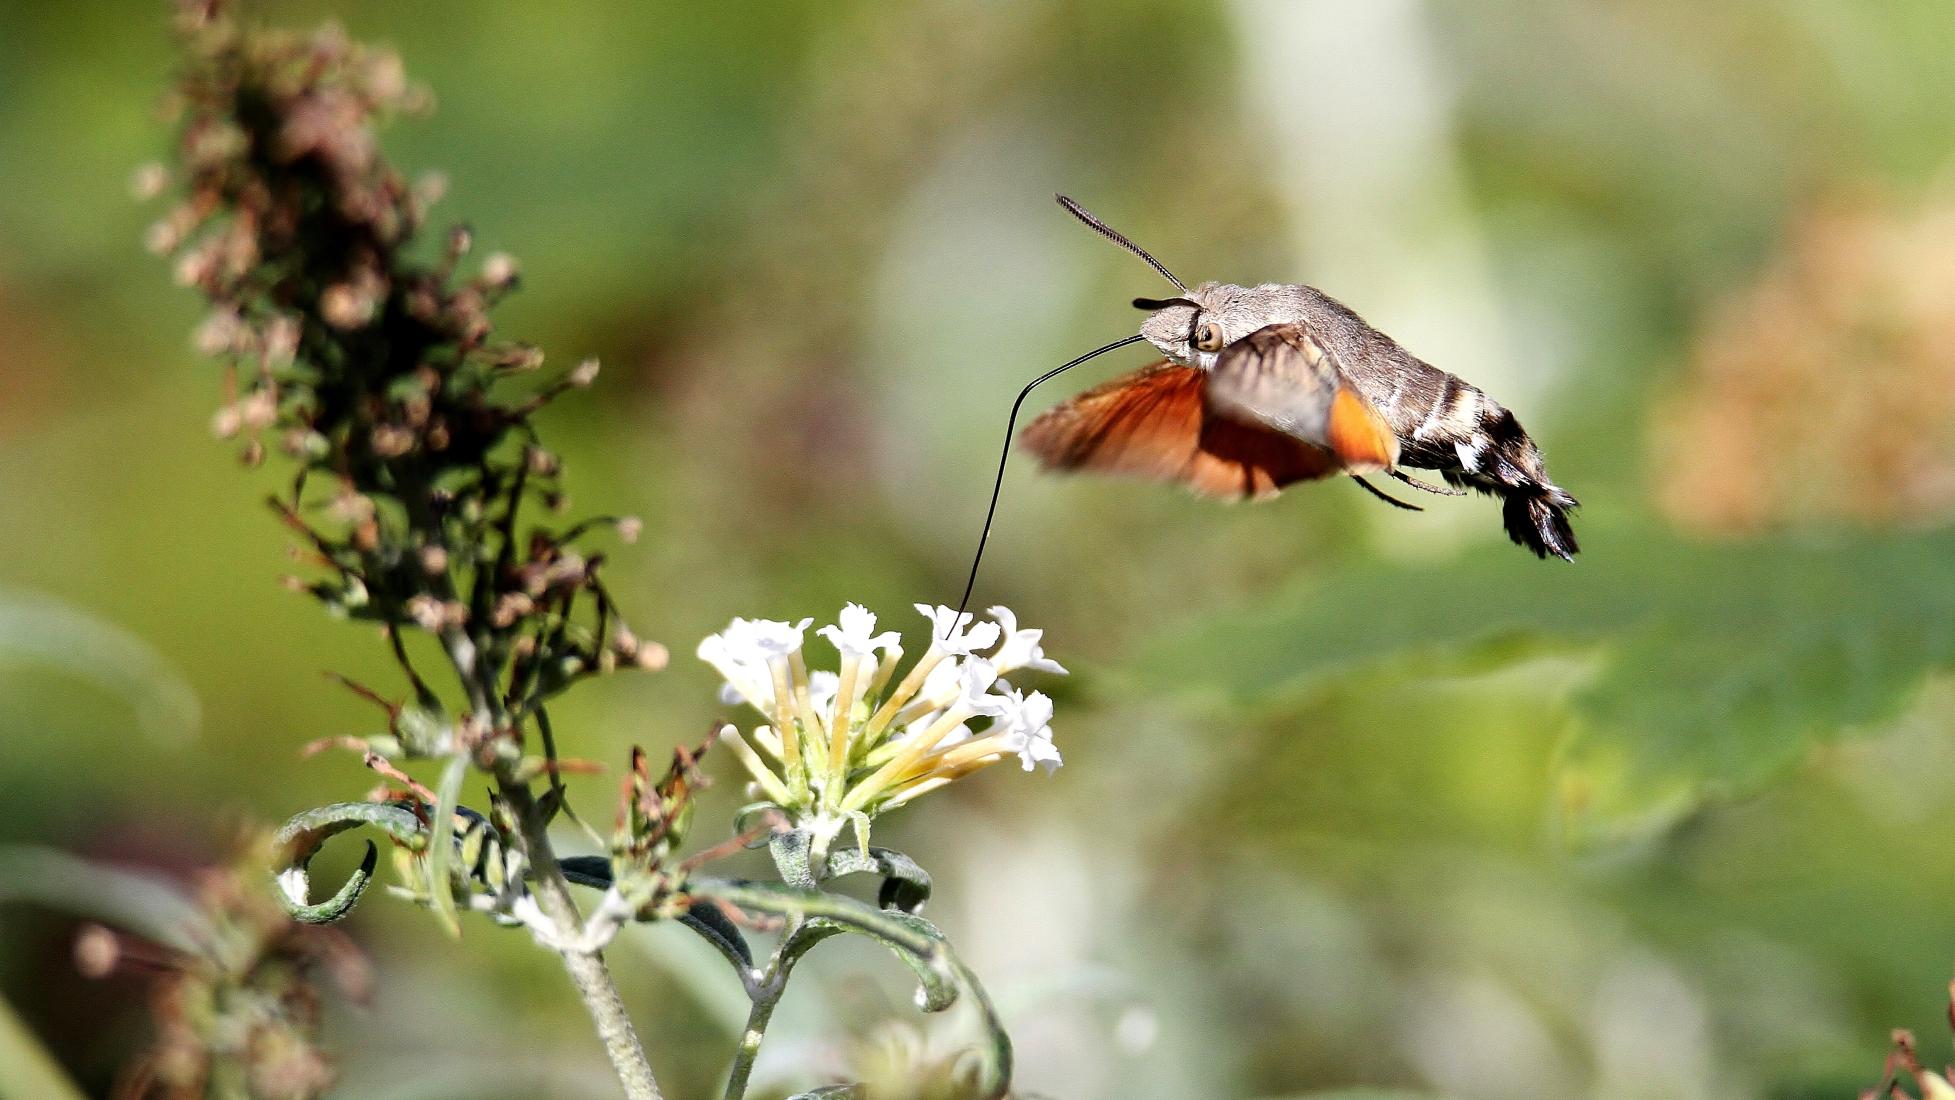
(899, 931)
(43, 632)
(301, 838)
(440, 885)
(936, 976)
(149, 905)
(792, 852)
(705, 918)
(26, 1067)
(1714, 667)
(905, 884)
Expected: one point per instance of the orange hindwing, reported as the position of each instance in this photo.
(1155, 424)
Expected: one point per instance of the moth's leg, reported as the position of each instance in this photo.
(1382, 495)
(1415, 483)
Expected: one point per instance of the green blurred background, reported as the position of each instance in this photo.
(1353, 798)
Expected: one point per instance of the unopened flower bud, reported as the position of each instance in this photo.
(512, 606)
(305, 444)
(431, 614)
(629, 528)
(281, 341)
(584, 373)
(218, 335)
(343, 306)
(386, 77)
(148, 181)
(194, 268)
(499, 270)
(97, 951)
(259, 408)
(520, 357)
(391, 440)
(162, 238)
(227, 423)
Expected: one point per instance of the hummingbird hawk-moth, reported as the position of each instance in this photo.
(1265, 386)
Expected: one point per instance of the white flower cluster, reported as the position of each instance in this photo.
(846, 743)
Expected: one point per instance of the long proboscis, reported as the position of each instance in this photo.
(1004, 456)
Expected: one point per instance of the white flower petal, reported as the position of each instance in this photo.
(855, 635)
(974, 680)
(768, 638)
(747, 677)
(1025, 727)
(1020, 649)
(953, 633)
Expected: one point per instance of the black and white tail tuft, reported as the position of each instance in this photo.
(1537, 518)
(1498, 458)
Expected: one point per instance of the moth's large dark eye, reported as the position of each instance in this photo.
(1208, 337)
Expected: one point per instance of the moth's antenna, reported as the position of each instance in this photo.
(1114, 235)
(1011, 423)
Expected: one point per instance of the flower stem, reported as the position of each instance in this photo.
(766, 995)
(586, 968)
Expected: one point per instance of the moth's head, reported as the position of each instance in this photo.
(1177, 325)
(1192, 328)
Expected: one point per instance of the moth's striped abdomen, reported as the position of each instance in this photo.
(1476, 443)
